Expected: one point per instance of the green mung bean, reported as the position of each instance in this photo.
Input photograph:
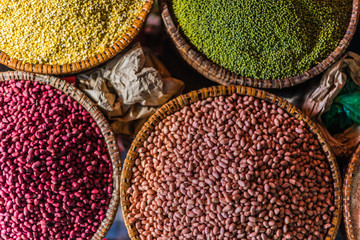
(265, 39)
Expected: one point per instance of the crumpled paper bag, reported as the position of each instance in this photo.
(320, 98)
(130, 88)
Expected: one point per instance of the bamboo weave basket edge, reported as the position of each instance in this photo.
(351, 171)
(194, 96)
(215, 73)
(104, 127)
(77, 67)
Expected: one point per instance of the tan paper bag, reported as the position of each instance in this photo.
(320, 98)
(130, 88)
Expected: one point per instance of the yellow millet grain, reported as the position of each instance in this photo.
(63, 31)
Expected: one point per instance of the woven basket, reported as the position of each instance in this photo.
(87, 64)
(220, 75)
(102, 123)
(192, 97)
(351, 173)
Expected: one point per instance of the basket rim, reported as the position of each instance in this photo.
(218, 74)
(221, 90)
(352, 169)
(94, 61)
(103, 125)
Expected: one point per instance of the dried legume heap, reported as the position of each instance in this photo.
(264, 39)
(56, 174)
(63, 31)
(231, 168)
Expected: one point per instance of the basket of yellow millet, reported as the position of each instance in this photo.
(67, 36)
(60, 164)
(262, 43)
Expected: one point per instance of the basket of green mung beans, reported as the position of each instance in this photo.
(261, 43)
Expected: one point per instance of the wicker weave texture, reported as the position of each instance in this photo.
(348, 189)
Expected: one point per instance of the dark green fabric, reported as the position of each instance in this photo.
(345, 110)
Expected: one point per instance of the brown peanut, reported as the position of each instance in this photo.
(240, 169)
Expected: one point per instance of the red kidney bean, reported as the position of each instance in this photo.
(239, 169)
(48, 189)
